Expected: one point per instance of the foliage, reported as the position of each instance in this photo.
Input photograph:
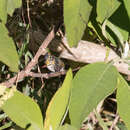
(27, 115)
(54, 118)
(123, 91)
(66, 107)
(76, 17)
(8, 53)
(90, 79)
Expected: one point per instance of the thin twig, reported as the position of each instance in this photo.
(32, 63)
(41, 51)
(41, 78)
(114, 122)
(28, 13)
(50, 75)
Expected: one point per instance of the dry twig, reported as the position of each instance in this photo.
(50, 75)
(114, 122)
(32, 63)
(28, 13)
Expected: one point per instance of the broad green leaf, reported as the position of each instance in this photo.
(23, 111)
(127, 6)
(8, 53)
(67, 127)
(117, 26)
(7, 7)
(91, 84)
(58, 105)
(12, 4)
(3, 10)
(106, 8)
(76, 16)
(123, 101)
(121, 21)
(118, 37)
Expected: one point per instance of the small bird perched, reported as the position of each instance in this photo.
(53, 63)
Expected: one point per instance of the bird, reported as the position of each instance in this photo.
(53, 63)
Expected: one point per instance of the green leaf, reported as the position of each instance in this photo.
(24, 111)
(67, 127)
(3, 10)
(58, 105)
(123, 101)
(8, 53)
(8, 6)
(76, 16)
(91, 84)
(121, 21)
(96, 26)
(106, 8)
(6, 93)
(127, 6)
(12, 4)
(118, 34)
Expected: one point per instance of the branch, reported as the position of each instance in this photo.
(32, 63)
(50, 75)
(114, 122)
(88, 52)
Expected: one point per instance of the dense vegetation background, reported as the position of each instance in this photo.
(64, 64)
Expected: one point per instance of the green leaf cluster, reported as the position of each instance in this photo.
(80, 14)
(78, 95)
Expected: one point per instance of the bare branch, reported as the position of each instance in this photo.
(88, 52)
(50, 75)
(32, 63)
(114, 122)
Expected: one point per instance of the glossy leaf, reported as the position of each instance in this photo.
(8, 53)
(91, 84)
(23, 111)
(12, 4)
(76, 16)
(58, 105)
(106, 8)
(123, 101)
